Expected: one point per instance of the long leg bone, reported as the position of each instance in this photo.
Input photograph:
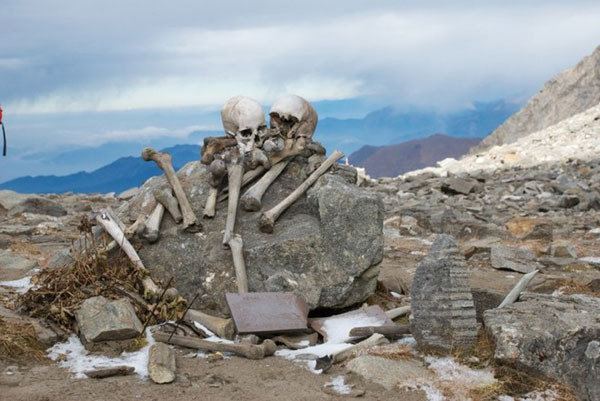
(217, 170)
(153, 223)
(112, 226)
(163, 160)
(268, 218)
(251, 200)
(223, 328)
(234, 175)
(236, 245)
(166, 198)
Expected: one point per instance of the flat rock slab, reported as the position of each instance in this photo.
(558, 337)
(268, 312)
(100, 319)
(521, 260)
(388, 372)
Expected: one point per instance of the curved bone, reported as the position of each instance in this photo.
(234, 176)
(153, 223)
(166, 198)
(236, 245)
(268, 218)
(163, 160)
(252, 199)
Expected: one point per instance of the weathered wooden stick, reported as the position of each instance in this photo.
(163, 160)
(165, 197)
(252, 199)
(390, 331)
(152, 230)
(513, 295)
(268, 218)
(375, 339)
(234, 175)
(101, 373)
(224, 328)
(161, 363)
(236, 245)
(249, 351)
(397, 312)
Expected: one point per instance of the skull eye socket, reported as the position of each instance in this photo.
(246, 133)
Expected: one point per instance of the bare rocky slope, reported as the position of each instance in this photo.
(570, 92)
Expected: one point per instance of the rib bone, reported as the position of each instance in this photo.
(163, 160)
(234, 174)
(268, 218)
(251, 200)
(166, 198)
(236, 245)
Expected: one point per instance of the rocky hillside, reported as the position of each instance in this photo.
(392, 160)
(570, 92)
(575, 138)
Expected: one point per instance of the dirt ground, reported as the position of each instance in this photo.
(235, 378)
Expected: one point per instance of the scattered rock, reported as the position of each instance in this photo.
(161, 363)
(568, 201)
(101, 373)
(387, 372)
(456, 185)
(443, 313)
(38, 205)
(13, 266)
(128, 193)
(563, 249)
(99, 319)
(530, 228)
(521, 260)
(553, 336)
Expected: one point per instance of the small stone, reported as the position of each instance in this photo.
(455, 185)
(100, 319)
(388, 372)
(161, 363)
(38, 206)
(563, 249)
(568, 201)
(521, 260)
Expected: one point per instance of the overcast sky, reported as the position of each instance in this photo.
(61, 59)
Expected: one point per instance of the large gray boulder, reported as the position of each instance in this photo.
(325, 247)
(558, 337)
(443, 313)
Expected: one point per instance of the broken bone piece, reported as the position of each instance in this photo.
(163, 161)
(514, 294)
(268, 218)
(109, 371)
(152, 225)
(252, 199)
(397, 312)
(223, 328)
(375, 339)
(211, 203)
(235, 172)
(217, 170)
(166, 198)
(249, 351)
(391, 331)
(236, 245)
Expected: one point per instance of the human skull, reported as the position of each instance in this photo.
(293, 117)
(243, 118)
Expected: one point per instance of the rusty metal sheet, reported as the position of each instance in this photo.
(339, 326)
(268, 312)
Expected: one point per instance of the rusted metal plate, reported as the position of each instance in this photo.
(268, 312)
(337, 328)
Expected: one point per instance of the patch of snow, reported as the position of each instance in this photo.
(447, 369)
(78, 359)
(339, 385)
(594, 231)
(21, 286)
(546, 395)
(319, 350)
(417, 253)
(211, 336)
(431, 393)
(338, 327)
(594, 260)
(395, 294)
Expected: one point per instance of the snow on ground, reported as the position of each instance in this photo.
(78, 359)
(21, 286)
(339, 385)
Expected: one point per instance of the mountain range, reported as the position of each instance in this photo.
(386, 126)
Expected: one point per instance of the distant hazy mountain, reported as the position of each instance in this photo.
(393, 160)
(117, 176)
(570, 92)
(388, 126)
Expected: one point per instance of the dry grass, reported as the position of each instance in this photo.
(18, 342)
(59, 292)
(392, 351)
